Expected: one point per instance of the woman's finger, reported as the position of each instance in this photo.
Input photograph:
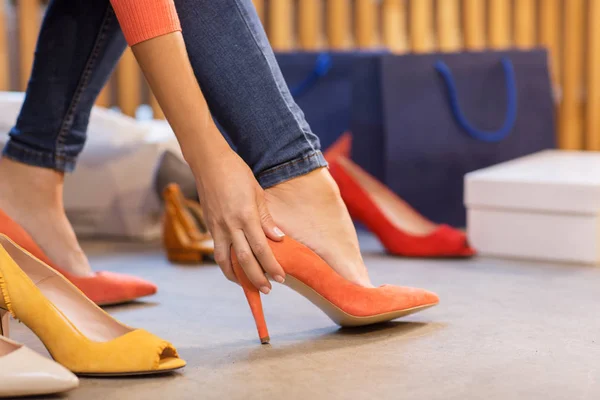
(262, 251)
(223, 255)
(269, 227)
(248, 262)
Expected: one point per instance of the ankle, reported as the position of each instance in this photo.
(29, 182)
(316, 184)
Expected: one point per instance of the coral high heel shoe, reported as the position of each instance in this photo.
(400, 228)
(103, 288)
(185, 235)
(77, 333)
(346, 303)
(26, 373)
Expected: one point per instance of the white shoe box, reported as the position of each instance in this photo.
(545, 206)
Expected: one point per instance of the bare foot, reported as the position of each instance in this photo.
(309, 209)
(33, 197)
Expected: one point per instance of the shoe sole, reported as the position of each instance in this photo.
(436, 257)
(121, 302)
(125, 374)
(119, 374)
(341, 317)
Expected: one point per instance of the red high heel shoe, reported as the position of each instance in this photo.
(399, 227)
(103, 288)
(340, 148)
(346, 303)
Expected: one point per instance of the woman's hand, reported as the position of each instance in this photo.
(237, 214)
(238, 217)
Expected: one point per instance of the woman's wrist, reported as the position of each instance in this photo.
(206, 149)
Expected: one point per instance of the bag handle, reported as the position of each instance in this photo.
(322, 67)
(511, 107)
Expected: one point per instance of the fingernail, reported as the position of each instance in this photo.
(265, 289)
(279, 278)
(278, 232)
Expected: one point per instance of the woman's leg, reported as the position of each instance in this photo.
(78, 47)
(246, 93)
(245, 90)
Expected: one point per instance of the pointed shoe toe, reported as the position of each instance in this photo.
(408, 297)
(108, 288)
(26, 373)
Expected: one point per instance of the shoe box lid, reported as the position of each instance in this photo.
(552, 181)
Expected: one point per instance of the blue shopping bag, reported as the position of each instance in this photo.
(421, 122)
(321, 84)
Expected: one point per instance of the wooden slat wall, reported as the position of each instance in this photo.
(570, 134)
(338, 24)
(421, 26)
(104, 98)
(474, 23)
(4, 72)
(280, 25)
(310, 21)
(448, 25)
(128, 76)
(28, 16)
(366, 23)
(592, 123)
(260, 9)
(393, 25)
(551, 33)
(568, 28)
(499, 12)
(525, 19)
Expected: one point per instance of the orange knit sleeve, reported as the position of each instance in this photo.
(146, 19)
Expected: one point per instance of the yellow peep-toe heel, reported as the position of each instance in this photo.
(77, 333)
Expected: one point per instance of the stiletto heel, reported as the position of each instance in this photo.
(255, 303)
(4, 316)
(346, 303)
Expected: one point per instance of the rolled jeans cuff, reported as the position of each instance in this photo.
(36, 158)
(292, 169)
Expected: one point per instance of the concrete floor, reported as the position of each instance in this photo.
(504, 330)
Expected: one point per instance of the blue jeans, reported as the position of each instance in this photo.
(80, 43)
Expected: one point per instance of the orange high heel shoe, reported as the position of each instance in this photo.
(399, 227)
(346, 303)
(103, 288)
(185, 235)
